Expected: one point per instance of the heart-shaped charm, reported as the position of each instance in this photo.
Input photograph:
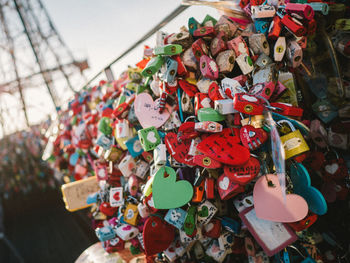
(169, 193)
(251, 137)
(227, 188)
(178, 150)
(243, 174)
(302, 186)
(270, 205)
(157, 235)
(147, 112)
(331, 168)
(224, 149)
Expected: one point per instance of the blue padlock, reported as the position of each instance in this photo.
(176, 217)
(105, 142)
(262, 25)
(105, 233)
(231, 225)
(134, 146)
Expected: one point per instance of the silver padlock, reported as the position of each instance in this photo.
(245, 63)
(142, 168)
(259, 44)
(186, 103)
(122, 129)
(203, 85)
(279, 49)
(224, 107)
(127, 232)
(230, 87)
(160, 154)
(226, 61)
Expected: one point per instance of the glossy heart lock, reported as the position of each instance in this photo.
(245, 173)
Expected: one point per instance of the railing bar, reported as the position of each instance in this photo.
(161, 24)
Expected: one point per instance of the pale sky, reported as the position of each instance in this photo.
(101, 30)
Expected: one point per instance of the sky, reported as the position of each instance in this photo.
(100, 30)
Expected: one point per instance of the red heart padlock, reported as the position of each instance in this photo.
(227, 188)
(206, 162)
(157, 235)
(245, 173)
(187, 132)
(213, 228)
(224, 149)
(178, 150)
(304, 223)
(336, 169)
(251, 137)
(106, 208)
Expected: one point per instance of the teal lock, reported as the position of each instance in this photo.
(209, 114)
(193, 24)
(104, 126)
(149, 138)
(302, 186)
(168, 50)
(153, 66)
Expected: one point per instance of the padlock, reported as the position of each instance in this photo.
(231, 225)
(213, 228)
(105, 233)
(293, 143)
(252, 138)
(153, 66)
(116, 196)
(215, 252)
(183, 38)
(208, 67)
(114, 245)
(275, 28)
(190, 221)
(143, 210)
(325, 110)
(127, 166)
(245, 63)
(199, 48)
(142, 168)
(264, 90)
(320, 7)
(215, 92)
(262, 61)
(169, 70)
(176, 217)
(189, 59)
(193, 147)
(318, 133)
(225, 61)
(209, 21)
(160, 154)
(127, 232)
(170, 254)
(338, 140)
(293, 25)
(205, 32)
(218, 44)
(193, 25)
(248, 104)
(205, 211)
(259, 44)
(203, 85)
(279, 49)
(134, 146)
(149, 138)
(224, 106)
(227, 188)
(230, 87)
(105, 142)
(262, 25)
(167, 50)
(287, 109)
(265, 74)
(198, 192)
(131, 214)
(227, 25)
(202, 100)
(208, 126)
(300, 11)
(294, 54)
(160, 37)
(226, 241)
(263, 11)
(305, 223)
(133, 185)
(238, 45)
(257, 121)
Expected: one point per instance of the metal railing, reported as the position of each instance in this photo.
(108, 71)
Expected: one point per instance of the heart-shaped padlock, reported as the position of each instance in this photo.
(251, 137)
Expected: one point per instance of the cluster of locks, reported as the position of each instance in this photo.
(203, 151)
(21, 167)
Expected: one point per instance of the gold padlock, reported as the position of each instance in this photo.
(293, 142)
